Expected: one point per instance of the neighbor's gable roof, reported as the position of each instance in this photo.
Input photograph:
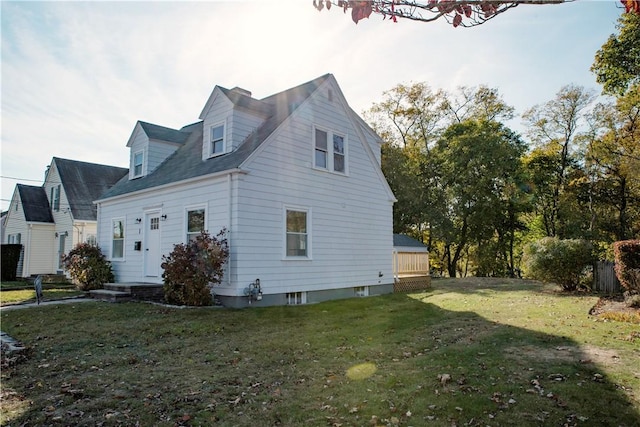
(85, 182)
(186, 162)
(35, 204)
(404, 241)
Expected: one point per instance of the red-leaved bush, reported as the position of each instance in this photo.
(192, 267)
(627, 258)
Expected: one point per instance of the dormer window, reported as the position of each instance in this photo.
(217, 140)
(138, 159)
(330, 151)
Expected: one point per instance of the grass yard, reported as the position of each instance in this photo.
(22, 292)
(468, 352)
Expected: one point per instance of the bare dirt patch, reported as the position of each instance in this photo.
(584, 354)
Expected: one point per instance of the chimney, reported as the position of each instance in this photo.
(241, 91)
(46, 172)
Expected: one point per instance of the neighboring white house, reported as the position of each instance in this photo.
(295, 180)
(49, 220)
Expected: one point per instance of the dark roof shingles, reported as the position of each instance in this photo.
(35, 203)
(186, 162)
(85, 182)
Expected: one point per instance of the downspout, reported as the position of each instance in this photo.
(26, 263)
(229, 218)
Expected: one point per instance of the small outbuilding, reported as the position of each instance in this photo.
(410, 264)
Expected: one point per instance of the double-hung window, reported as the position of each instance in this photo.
(195, 222)
(138, 159)
(329, 151)
(117, 239)
(322, 158)
(216, 145)
(297, 233)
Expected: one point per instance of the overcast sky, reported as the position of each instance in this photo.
(76, 76)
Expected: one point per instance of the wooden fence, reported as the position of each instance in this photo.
(604, 278)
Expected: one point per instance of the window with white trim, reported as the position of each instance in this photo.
(92, 240)
(296, 298)
(117, 239)
(195, 222)
(361, 291)
(216, 144)
(329, 151)
(138, 161)
(297, 233)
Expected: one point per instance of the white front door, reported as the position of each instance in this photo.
(152, 245)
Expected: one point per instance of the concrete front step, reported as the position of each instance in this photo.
(109, 295)
(135, 291)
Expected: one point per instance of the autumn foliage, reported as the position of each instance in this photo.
(192, 267)
(627, 254)
(466, 13)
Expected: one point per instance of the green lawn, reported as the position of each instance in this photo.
(468, 352)
(22, 292)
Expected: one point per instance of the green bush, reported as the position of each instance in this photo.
(565, 262)
(627, 256)
(88, 267)
(192, 267)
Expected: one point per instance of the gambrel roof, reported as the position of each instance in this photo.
(186, 162)
(85, 182)
(35, 204)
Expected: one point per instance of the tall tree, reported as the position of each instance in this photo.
(617, 63)
(477, 161)
(613, 160)
(555, 127)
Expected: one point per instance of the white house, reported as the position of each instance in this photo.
(295, 180)
(49, 220)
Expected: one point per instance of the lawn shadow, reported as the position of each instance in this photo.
(389, 360)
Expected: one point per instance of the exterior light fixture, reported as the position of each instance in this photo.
(138, 220)
(164, 217)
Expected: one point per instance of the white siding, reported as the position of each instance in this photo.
(219, 112)
(62, 217)
(140, 142)
(212, 193)
(38, 259)
(351, 215)
(36, 238)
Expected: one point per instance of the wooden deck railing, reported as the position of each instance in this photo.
(410, 264)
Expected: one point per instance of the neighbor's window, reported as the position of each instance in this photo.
(297, 233)
(217, 140)
(329, 151)
(55, 203)
(117, 239)
(296, 298)
(195, 222)
(137, 163)
(91, 240)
